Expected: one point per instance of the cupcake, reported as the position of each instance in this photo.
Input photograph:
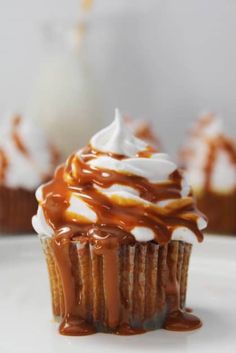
(209, 159)
(117, 223)
(26, 160)
(143, 130)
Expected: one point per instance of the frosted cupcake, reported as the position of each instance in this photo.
(117, 225)
(26, 160)
(209, 158)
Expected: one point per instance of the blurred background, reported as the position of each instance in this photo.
(165, 61)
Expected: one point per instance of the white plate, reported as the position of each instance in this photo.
(25, 312)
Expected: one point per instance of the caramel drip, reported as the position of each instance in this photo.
(73, 323)
(181, 262)
(98, 290)
(3, 165)
(177, 319)
(146, 153)
(220, 143)
(113, 293)
(85, 288)
(111, 283)
(79, 177)
(16, 137)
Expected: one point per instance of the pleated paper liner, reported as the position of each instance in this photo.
(220, 211)
(142, 282)
(17, 207)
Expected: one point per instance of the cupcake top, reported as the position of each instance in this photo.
(209, 156)
(143, 130)
(26, 157)
(118, 187)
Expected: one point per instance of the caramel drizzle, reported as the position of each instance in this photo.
(3, 165)
(16, 137)
(79, 177)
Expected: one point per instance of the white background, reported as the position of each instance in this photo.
(164, 60)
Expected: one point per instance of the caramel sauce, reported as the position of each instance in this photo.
(146, 153)
(3, 165)
(112, 228)
(16, 137)
(72, 323)
(182, 321)
(79, 177)
(177, 319)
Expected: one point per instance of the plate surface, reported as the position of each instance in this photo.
(25, 324)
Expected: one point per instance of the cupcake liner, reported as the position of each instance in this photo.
(17, 207)
(220, 211)
(142, 298)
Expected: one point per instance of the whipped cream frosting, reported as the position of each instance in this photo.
(117, 139)
(26, 157)
(116, 152)
(209, 156)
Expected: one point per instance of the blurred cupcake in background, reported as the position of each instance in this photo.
(143, 130)
(209, 159)
(26, 160)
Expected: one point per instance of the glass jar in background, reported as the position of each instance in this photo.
(66, 101)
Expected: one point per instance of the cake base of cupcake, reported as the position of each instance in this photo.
(220, 210)
(17, 207)
(127, 290)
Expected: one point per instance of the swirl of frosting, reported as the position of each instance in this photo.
(26, 157)
(119, 183)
